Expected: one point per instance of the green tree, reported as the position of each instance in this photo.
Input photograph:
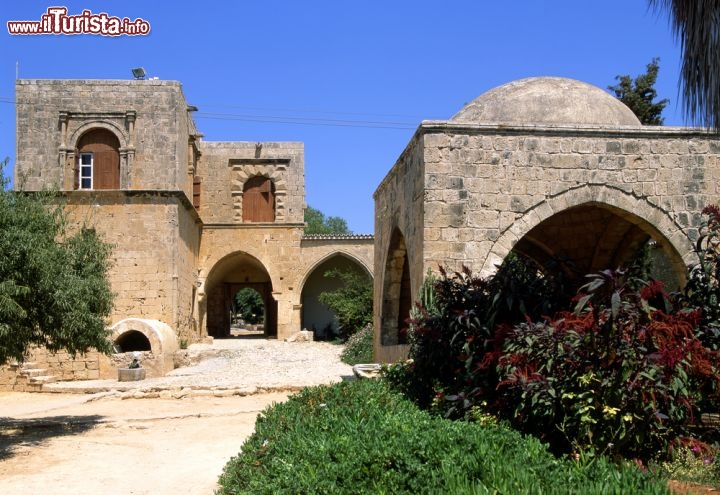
(352, 303)
(54, 290)
(695, 24)
(249, 305)
(639, 94)
(317, 223)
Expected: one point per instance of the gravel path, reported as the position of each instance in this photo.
(234, 367)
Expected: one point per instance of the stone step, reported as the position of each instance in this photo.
(40, 380)
(34, 372)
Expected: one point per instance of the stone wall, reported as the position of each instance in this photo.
(42, 366)
(150, 119)
(225, 166)
(485, 188)
(155, 239)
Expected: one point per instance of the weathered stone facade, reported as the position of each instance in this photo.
(560, 173)
(183, 242)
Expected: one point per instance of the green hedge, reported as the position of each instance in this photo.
(360, 437)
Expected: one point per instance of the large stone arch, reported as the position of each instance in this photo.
(659, 226)
(315, 316)
(229, 274)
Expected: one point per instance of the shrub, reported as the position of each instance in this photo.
(616, 376)
(352, 303)
(453, 328)
(360, 437)
(359, 347)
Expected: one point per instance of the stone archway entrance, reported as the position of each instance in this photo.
(235, 272)
(315, 315)
(591, 237)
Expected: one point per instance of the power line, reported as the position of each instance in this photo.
(372, 124)
(296, 120)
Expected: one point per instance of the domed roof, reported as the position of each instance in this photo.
(547, 101)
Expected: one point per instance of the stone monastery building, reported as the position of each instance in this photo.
(552, 169)
(191, 221)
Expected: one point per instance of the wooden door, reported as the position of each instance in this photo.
(259, 200)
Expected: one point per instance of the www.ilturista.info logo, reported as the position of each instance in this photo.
(56, 21)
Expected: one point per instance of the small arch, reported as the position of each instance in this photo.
(396, 292)
(132, 340)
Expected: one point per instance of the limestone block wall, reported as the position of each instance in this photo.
(150, 119)
(155, 238)
(225, 166)
(399, 214)
(42, 366)
(486, 186)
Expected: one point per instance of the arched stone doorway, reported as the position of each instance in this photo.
(315, 315)
(396, 292)
(594, 236)
(231, 274)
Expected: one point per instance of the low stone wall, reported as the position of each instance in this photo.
(42, 366)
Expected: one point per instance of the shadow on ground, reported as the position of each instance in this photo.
(17, 433)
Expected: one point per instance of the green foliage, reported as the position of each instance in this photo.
(359, 437)
(639, 94)
(703, 287)
(359, 347)
(54, 290)
(352, 303)
(695, 25)
(449, 341)
(318, 224)
(623, 371)
(694, 463)
(249, 305)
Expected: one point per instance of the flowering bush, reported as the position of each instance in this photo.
(623, 370)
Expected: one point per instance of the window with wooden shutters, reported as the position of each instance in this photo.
(258, 200)
(98, 161)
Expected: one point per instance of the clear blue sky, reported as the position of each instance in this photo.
(325, 72)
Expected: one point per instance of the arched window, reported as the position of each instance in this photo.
(258, 200)
(98, 165)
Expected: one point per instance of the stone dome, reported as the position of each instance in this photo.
(547, 101)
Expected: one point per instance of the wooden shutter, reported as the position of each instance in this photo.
(258, 200)
(197, 181)
(106, 158)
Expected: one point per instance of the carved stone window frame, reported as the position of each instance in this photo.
(73, 125)
(274, 169)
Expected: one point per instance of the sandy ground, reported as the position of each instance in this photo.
(111, 443)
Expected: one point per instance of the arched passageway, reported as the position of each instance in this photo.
(315, 315)
(396, 292)
(232, 274)
(593, 236)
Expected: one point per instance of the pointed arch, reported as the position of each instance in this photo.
(396, 292)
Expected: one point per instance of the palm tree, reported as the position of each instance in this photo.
(696, 23)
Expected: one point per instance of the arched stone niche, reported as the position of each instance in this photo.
(134, 333)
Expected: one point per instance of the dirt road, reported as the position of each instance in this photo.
(111, 443)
